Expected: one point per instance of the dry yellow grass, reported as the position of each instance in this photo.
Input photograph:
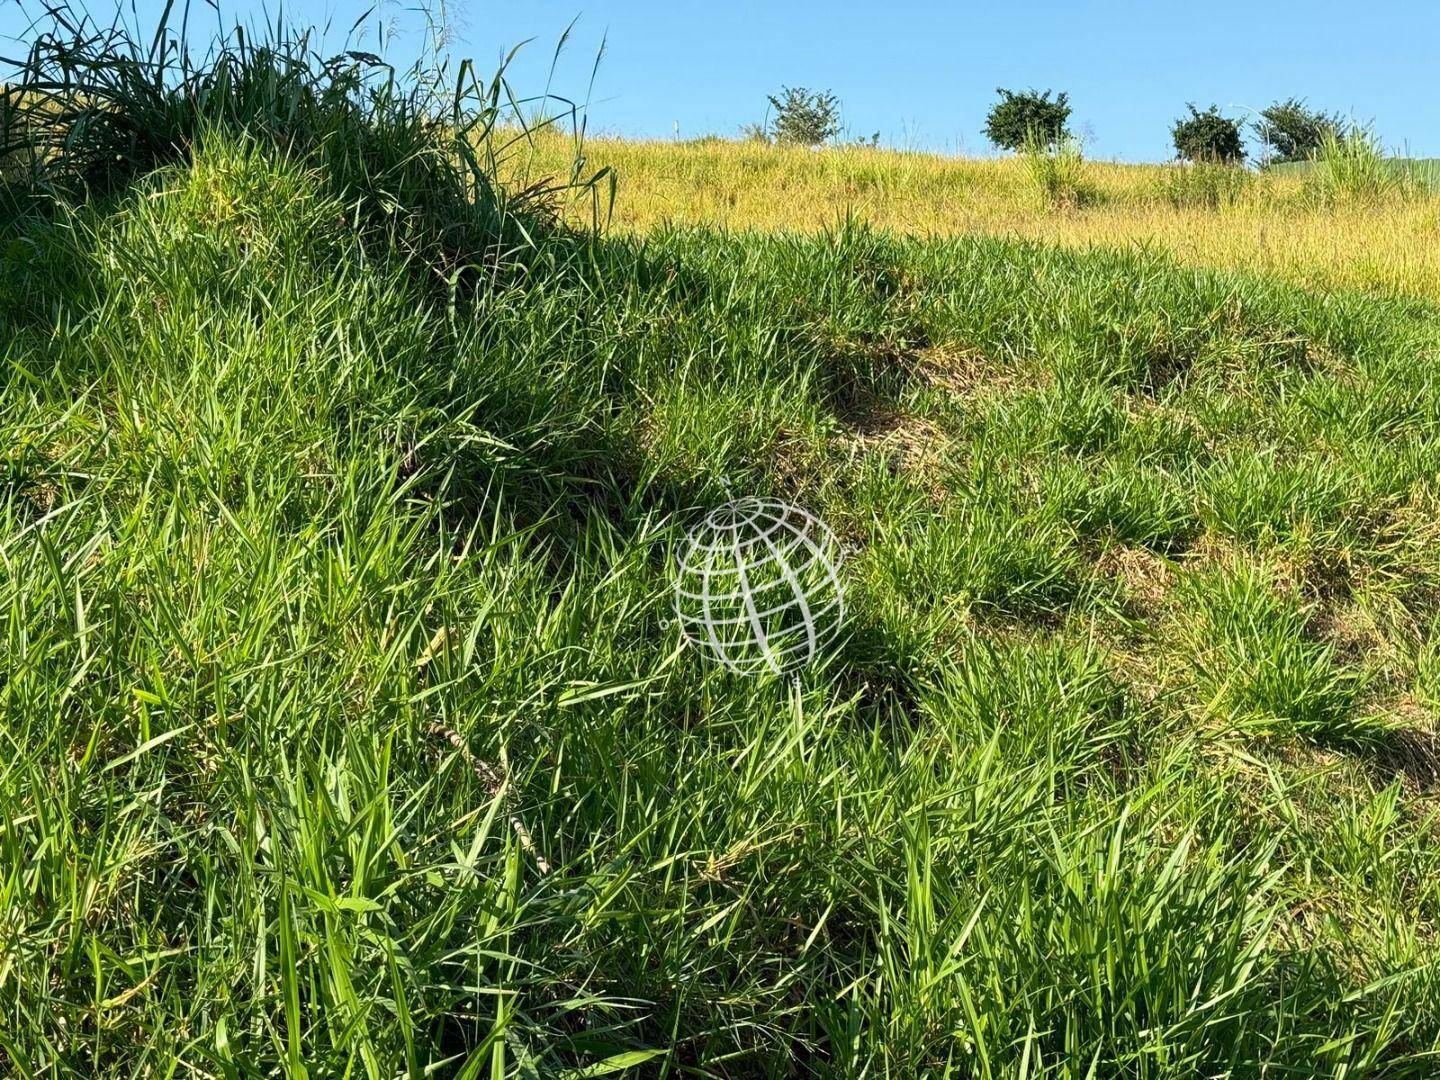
(1273, 228)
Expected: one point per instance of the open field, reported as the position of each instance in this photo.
(346, 729)
(1272, 228)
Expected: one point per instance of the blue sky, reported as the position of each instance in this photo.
(924, 74)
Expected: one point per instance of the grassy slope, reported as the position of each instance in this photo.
(1425, 171)
(1271, 229)
(310, 586)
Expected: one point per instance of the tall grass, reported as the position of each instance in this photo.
(1353, 166)
(414, 157)
(1262, 223)
(1057, 170)
(1207, 185)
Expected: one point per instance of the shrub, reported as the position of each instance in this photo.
(805, 117)
(1352, 166)
(1058, 171)
(1015, 117)
(1208, 136)
(1294, 132)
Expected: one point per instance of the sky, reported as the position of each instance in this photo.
(923, 75)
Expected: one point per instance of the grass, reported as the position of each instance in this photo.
(346, 729)
(1353, 166)
(1266, 224)
(1057, 171)
(1416, 174)
(1206, 185)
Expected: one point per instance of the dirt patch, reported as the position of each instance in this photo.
(1414, 754)
(1145, 576)
(796, 463)
(1406, 746)
(966, 373)
(913, 442)
(1353, 631)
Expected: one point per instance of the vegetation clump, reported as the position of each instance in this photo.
(1204, 185)
(1057, 170)
(1018, 118)
(1352, 166)
(1294, 132)
(1208, 137)
(805, 117)
(92, 109)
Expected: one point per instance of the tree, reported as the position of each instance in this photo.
(1016, 119)
(1295, 132)
(1208, 136)
(804, 117)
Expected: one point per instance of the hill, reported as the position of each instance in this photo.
(1266, 223)
(347, 729)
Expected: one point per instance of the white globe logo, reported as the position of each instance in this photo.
(757, 587)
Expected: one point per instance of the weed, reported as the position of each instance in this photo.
(1206, 185)
(1057, 169)
(1352, 166)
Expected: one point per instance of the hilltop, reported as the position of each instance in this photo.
(1265, 223)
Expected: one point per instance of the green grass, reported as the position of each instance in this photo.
(346, 730)
(1420, 174)
(1207, 185)
(1057, 171)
